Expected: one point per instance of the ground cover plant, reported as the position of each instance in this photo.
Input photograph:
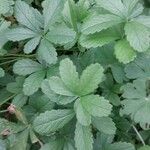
(74, 75)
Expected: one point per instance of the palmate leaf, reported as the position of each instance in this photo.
(51, 121)
(83, 137)
(138, 36)
(69, 83)
(97, 23)
(136, 103)
(26, 67)
(124, 52)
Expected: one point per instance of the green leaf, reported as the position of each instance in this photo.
(5, 6)
(41, 103)
(51, 11)
(59, 99)
(47, 52)
(26, 67)
(53, 120)
(138, 36)
(69, 75)
(21, 140)
(96, 106)
(104, 124)
(114, 6)
(133, 8)
(82, 114)
(98, 39)
(142, 19)
(61, 34)
(31, 45)
(136, 103)
(120, 146)
(19, 100)
(20, 33)
(59, 87)
(54, 145)
(10, 126)
(90, 78)
(25, 15)
(145, 148)
(83, 137)
(124, 52)
(33, 82)
(97, 23)
(138, 68)
(2, 72)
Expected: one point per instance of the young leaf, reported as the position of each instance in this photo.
(83, 137)
(33, 82)
(47, 52)
(138, 36)
(90, 78)
(26, 67)
(51, 121)
(97, 23)
(124, 52)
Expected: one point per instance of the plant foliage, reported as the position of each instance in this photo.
(74, 75)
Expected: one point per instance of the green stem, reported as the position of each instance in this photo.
(138, 134)
(7, 62)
